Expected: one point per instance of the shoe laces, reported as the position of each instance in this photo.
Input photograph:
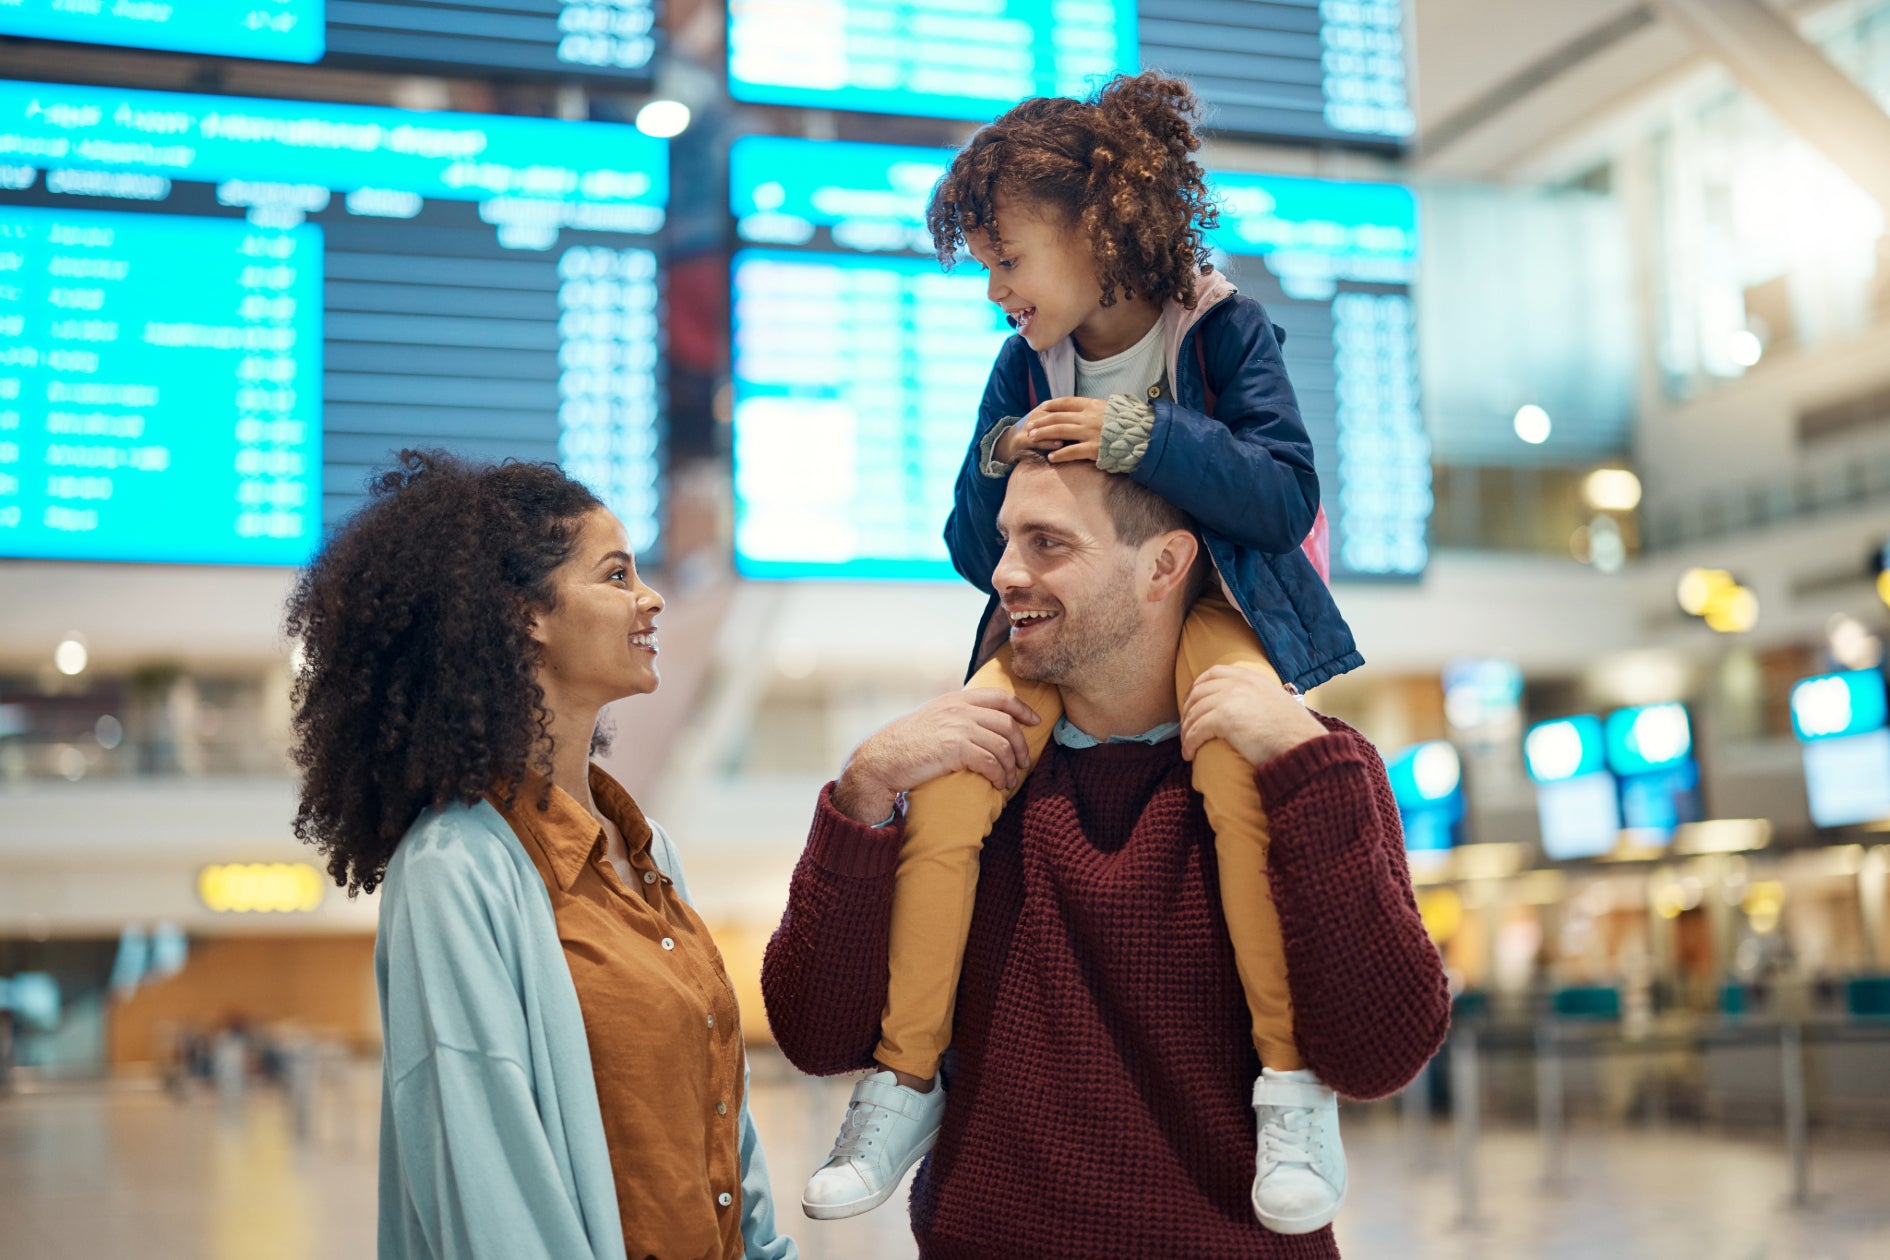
(1287, 1137)
(858, 1132)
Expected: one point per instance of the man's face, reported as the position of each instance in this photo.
(1065, 580)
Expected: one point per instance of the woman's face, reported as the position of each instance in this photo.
(599, 643)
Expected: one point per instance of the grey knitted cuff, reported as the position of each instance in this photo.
(988, 462)
(1127, 424)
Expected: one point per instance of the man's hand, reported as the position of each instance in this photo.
(1068, 428)
(968, 730)
(1251, 711)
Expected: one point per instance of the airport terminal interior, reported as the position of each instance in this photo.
(1587, 310)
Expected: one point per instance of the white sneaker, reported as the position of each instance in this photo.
(888, 1127)
(1299, 1181)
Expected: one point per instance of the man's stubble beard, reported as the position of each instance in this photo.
(1088, 643)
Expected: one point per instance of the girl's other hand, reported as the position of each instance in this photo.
(1069, 428)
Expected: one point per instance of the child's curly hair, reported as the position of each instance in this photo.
(1116, 167)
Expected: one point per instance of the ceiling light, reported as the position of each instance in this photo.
(663, 120)
(1612, 490)
(1744, 348)
(70, 657)
(1532, 424)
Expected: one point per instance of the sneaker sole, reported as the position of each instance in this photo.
(841, 1211)
(1300, 1224)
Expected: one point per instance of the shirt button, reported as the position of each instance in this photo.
(721, 1109)
(649, 877)
(711, 1021)
(668, 943)
(725, 1198)
(1154, 391)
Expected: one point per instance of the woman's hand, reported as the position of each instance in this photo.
(1068, 428)
(1249, 710)
(974, 730)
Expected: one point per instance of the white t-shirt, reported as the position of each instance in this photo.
(1131, 372)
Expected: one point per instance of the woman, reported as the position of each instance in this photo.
(564, 1074)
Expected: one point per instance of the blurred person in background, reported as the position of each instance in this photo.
(564, 1073)
(1096, 1080)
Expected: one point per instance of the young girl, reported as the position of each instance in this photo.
(1132, 352)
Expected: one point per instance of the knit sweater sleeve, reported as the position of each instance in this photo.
(823, 976)
(1370, 1002)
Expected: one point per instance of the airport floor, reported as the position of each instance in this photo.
(89, 1172)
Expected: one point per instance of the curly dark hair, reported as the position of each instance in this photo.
(418, 678)
(1116, 167)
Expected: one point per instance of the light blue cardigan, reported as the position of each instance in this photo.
(492, 1142)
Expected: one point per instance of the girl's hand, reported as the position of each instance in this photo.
(1249, 710)
(1069, 428)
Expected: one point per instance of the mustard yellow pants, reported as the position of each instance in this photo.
(947, 820)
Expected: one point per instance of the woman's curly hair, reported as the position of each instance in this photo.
(418, 678)
(1117, 167)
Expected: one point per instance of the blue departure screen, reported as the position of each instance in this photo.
(846, 325)
(278, 30)
(217, 314)
(940, 58)
(1333, 264)
(160, 386)
(609, 38)
(858, 362)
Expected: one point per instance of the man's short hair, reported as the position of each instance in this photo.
(1137, 512)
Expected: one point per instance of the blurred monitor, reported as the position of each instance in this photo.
(1330, 74)
(1651, 737)
(1834, 706)
(1564, 748)
(1333, 263)
(1427, 782)
(938, 58)
(1658, 801)
(221, 313)
(1847, 779)
(1580, 817)
(859, 361)
(615, 39)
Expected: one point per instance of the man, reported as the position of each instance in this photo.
(1095, 1097)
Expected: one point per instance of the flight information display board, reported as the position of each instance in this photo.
(858, 363)
(611, 38)
(1333, 264)
(218, 314)
(1318, 71)
(939, 58)
(1324, 71)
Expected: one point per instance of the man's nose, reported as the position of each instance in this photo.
(1010, 574)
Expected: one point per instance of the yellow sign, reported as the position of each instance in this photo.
(261, 887)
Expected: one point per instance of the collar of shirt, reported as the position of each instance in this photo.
(570, 836)
(1068, 736)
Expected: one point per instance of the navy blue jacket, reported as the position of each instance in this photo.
(1244, 473)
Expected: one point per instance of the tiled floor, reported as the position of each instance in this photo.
(91, 1174)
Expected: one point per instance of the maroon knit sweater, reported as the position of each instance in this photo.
(1101, 1076)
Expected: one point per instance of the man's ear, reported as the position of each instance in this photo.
(1171, 563)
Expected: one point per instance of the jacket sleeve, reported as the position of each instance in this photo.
(761, 1238)
(1246, 472)
(1370, 1001)
(824, 974)
(971, 529)
(474, 1159)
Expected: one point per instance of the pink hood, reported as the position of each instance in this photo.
(1059, 361)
